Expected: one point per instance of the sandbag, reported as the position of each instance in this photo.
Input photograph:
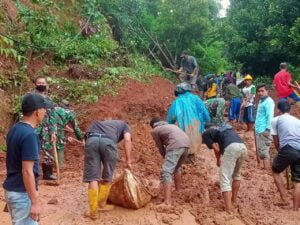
(128, 191)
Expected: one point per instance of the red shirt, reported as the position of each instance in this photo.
(281, 80)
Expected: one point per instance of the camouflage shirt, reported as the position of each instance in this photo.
(63, 118)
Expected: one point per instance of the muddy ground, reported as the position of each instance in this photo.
(199, 201)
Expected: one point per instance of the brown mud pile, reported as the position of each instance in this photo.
(199, 201)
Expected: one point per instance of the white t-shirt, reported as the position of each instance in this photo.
(247, 91)
(287, 127)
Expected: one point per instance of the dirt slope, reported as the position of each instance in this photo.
(199, 201)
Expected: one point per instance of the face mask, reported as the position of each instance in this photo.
(41, 88)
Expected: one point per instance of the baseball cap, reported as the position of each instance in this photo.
(32, 102)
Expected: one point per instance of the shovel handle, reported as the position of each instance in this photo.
(56, 160)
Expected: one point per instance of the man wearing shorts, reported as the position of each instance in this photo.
(248, 102)
(283, 84)
(101, 147)
(173, 145)
(226, 142)
(286, 133)
(234, 96)
(264, 115)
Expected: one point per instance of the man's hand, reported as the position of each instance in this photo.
(266, 134)
(35, 211)
(68, 129)
(53, 138)
(74, 141)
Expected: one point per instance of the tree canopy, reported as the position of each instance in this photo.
(262, 33)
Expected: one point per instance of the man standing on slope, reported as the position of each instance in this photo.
(173, 145)
(283, 84)
(101, 142)
(189, 67)
(22, 163)
(286, 133)
(265, 113)
(226, 142)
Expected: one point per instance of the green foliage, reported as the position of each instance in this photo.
(295, 72)
(3, 81)
(48, 30)
(263, 80)
(90, 90)
(176, 24)
(7, 49)
(16, 107)
(261, 34)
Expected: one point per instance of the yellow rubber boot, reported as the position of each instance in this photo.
(93, 204)
(103, 196)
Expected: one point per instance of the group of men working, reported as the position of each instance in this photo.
(178, 139)
(42, 127)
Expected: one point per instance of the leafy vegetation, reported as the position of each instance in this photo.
(90, 90)
(136, 38)
(261, 34)
(50, 31)
(7, 49)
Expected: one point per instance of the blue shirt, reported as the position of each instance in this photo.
(264, 115)
(22, 145)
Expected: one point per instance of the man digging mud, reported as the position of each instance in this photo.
(101, 142)
(286, 133)
(265, 113)
(173, 145)
(226, 142)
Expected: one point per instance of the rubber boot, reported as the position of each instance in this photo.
(61, 158)
(103, 196)
(48, 171)
(93, 204)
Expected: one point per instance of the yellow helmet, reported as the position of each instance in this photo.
(248, 77)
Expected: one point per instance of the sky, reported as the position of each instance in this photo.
(225, 4)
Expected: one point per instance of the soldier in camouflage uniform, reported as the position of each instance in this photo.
(65, 116)
(47, 130)
(215, 107)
